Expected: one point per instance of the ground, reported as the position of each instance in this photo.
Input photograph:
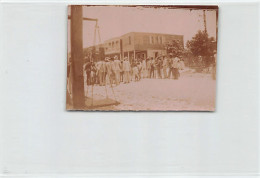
(192, 91)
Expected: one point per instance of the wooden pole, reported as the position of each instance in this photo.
(204, 21)
(77, 58)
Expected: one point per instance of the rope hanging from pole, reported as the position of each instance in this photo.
(97, 33)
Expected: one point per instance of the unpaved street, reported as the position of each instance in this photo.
(190, 92)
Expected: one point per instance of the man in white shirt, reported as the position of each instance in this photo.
(117, 70)
(165, 66)
(175, 66)
(126, 69)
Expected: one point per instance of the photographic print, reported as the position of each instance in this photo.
(141, 58)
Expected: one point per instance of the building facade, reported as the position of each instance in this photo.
(139, 45)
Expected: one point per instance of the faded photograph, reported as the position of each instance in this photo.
(142, 58)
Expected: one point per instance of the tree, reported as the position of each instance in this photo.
(175, 47)
(202, 45)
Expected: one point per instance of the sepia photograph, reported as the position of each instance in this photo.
(141, 58)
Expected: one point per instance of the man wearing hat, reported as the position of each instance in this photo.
(101, 72)
(171, 61)
(98, 74)
(152, 65)
(148, 66)
(116, 67)
(87, 69)
(108, 69)
(144, 73)
(126, 69)
(175, 66)
(165, 66)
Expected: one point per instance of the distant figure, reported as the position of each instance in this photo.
(181, 64)
(98, 66)
(117, 70)
(175, 66)
(121, 71)
(152, 68)
(113, 74)
(87, 68)
(135, 72)
(148, 65)
(158, 66)
(126, 69)
(165, 66)
(108, 71)
(171, 71)
(92, 73)
(101, 70)
(139, 66)
(144, 69)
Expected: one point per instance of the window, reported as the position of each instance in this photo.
(163, 39)
(152, 40)
(129, 39)
(159, 39)
(113, 44)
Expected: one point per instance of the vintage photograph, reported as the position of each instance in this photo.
(141, 58)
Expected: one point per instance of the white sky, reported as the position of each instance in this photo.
(116, 21)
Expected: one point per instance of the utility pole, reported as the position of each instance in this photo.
(204, 20)
(78, 96)
(76, 35)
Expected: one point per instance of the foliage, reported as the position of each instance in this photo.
(202, 45)
(175, 47)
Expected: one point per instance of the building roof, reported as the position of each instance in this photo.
(146, 33)
(150, 33)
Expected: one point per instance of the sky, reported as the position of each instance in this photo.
(115, 21)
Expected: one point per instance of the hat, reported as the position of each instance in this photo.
(115, 57)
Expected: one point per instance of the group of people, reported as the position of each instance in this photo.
(114, 71)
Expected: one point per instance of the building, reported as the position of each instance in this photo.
(139, 45)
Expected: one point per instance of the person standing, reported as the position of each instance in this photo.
(152, 68)
(113, 74)
(175, 66)
(182, 65)
(135, 72)
(139, 66)
(159, 66)
(88, 71)
(121, 71)
(171, 60)
(92, 73)
(126, 69)
(101, 72)
(144, 73)
(165, 66)
(117, 70)
(98, 66)
(108, 71)
(148, 64)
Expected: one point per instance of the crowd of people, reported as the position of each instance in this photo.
(114, 71)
